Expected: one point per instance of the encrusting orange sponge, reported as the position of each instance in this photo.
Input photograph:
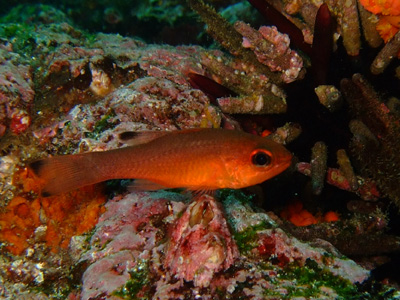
(388, 26)
(297, 215)
(63, 216)
(389, 16)
(384, 7)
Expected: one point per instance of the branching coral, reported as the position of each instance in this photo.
(272, 49)
(377, 151)
(386, 55)
(256, 94)
(224, 33)
(388, 24)
(319, 158)
(263, 60)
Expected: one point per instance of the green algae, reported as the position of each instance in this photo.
(19, 28)
(247, 239)
(162, 11)
(105, 123)
(137, 287)
(65, 284)
(31, 13)
(310, 278)
(21, 36)
(225, 194)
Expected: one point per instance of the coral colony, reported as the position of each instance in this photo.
(319, 77)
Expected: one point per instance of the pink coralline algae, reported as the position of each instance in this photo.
(133, 229)
(366, 188)
(272, 49)
(201, 243)
(146, 104)
(129, 231)
(155, 245)
(137, 87)
(154, 100)
(16, 93)
(81, 71)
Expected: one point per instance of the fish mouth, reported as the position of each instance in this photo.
(284, 160)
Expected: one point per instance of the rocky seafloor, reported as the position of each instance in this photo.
(64, 90)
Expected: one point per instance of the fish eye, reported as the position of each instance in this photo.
(261, 158)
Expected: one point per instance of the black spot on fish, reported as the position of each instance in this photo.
(36, 166)
(128, 135)
(46, 194)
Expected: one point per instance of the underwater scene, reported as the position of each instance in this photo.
(200, 149)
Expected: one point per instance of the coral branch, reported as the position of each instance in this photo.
(329, 96)
(272, 49)
(364, 103)
(376, 147)
(386, 55)
(257, 94)
(366, 190)
(362, 133)
(346, 168)
(283, 24)
(350, 27)
(319, 158)
(225, 34)
(369, 22)
(252, 104)
(286, 134)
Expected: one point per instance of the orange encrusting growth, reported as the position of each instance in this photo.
(64, 216)
(71, 214)
(389, 16)
(297, 215)
(331, 216)
(388, 26)
(18, 223)
(384, 7)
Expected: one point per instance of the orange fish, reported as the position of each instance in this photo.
(196, 159)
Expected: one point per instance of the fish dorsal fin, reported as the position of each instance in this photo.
(134, 138)
(145, 185)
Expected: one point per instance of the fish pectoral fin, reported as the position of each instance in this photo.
(145, 185)
(199, 192)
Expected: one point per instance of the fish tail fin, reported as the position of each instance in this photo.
(65, 173)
